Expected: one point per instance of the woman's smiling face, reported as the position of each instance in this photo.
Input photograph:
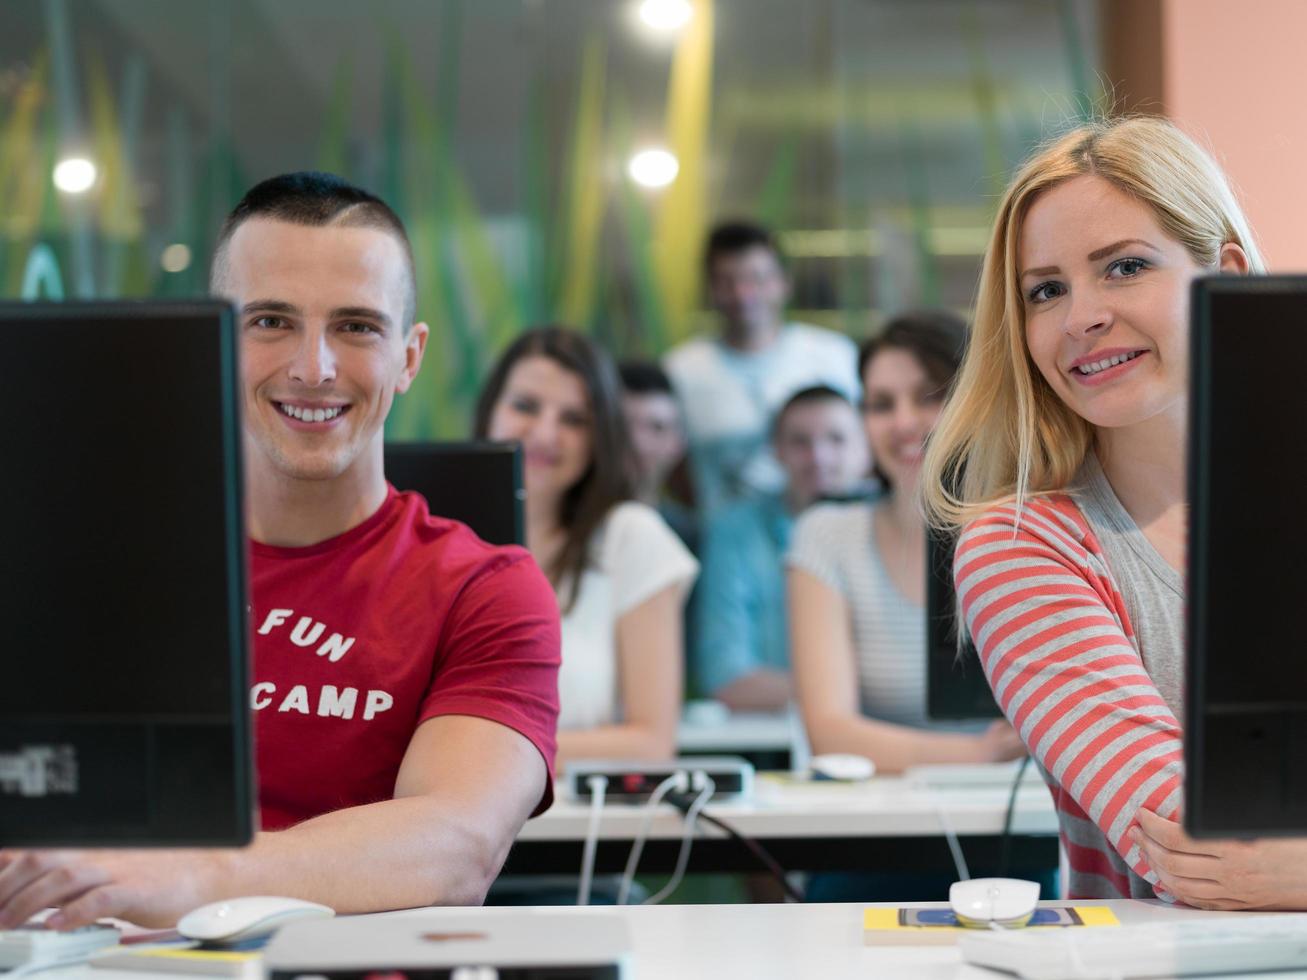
(1106, 299)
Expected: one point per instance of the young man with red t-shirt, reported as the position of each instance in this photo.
(405, 673)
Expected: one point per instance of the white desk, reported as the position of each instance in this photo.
(762, 942)
(883, 823)
(884, 806)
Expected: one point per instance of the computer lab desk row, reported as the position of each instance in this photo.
(758, 942)
(888, 823)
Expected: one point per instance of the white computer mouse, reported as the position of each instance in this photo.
(1008, 902)
(844, 767)
(250, 917)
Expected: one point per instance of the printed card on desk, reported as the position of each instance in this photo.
(939, 926)
(180, 959)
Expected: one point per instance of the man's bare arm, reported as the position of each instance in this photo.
(464, 789)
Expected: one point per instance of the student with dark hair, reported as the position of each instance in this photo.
(857, 576)
(740, 641)
(732, 384)
(857, 581)
(405, 671)
(655, 428)
(620, 574)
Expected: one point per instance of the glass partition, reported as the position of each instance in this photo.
(554, 160)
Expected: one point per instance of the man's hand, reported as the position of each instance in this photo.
(464, 790)
(1224, 874)
(149, 888)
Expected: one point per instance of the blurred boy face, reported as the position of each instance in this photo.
(653, 423)
(821, 447)
(749, 289)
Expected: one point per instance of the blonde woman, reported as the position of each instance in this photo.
(1061, 458)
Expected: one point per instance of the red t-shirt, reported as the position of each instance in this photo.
(361, 638)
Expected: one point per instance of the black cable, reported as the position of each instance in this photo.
(1005, 852)
(682, 803)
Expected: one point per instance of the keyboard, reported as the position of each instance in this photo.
(947, 776)
(1247, 943)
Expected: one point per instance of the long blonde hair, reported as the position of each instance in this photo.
(1004, 432)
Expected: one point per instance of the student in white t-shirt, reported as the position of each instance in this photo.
(621, 575)
(731, 385)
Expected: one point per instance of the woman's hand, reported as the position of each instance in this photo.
(1224, 874)
(1001, 743)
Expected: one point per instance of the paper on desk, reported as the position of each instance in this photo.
(174, 959)
(916, 926)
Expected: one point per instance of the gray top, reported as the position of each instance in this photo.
(1152, 590)
(836, 544)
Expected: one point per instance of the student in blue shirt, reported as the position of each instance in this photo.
(740, 646)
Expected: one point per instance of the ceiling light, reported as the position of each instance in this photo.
(176, 258)
(74, 175)
(665, 15)
(653, 168)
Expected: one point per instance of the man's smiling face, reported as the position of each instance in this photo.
(324, 348)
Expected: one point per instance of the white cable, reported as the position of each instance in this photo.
(674, 781)
(598, 785)
(691, 821)
(954, 846)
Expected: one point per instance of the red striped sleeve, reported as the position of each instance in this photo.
(1055, 641)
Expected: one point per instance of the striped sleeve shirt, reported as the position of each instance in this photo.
(1058, 646)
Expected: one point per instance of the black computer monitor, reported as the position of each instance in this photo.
(956, 686)
(123, 711)
(1246, 650)
(478, 483)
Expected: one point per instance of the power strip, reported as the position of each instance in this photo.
(634, 782)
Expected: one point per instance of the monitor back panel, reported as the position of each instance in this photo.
(956, 687)
(477, 483)
(1246, 697)
(123, 716)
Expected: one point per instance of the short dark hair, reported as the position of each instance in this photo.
(735, 236)
(806, 396)
(607, 480)
(310, 197)
(936, 338)
(644, 378)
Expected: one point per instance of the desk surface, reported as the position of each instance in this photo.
(885, 806)
(890, 823)
(762, 942)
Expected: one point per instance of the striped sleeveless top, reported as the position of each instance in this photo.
(835, 543)
(1048, 600)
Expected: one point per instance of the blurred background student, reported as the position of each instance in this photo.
(740, 648)
(621, 575)
(655, 428)
(857, 579)
(857, 584)
(732, 384)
